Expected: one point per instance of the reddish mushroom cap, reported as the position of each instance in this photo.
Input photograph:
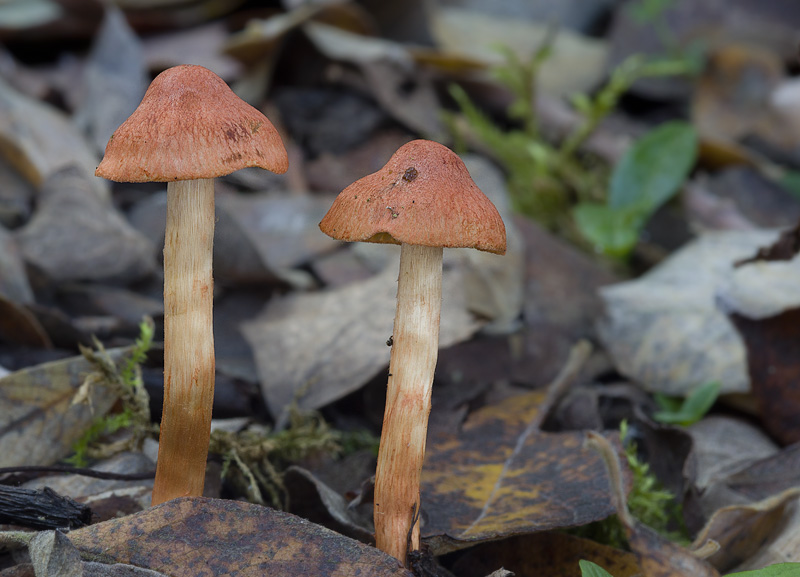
(424, 196)
(191, 125)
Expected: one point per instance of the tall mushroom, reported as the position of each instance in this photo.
(424, 200)
(189, 128)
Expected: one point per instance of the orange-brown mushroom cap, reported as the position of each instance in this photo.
(424, 196)
(191, 125)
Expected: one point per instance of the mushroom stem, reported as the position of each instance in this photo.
(408, 399)
(188, 340)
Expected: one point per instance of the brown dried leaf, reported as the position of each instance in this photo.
(732, 94)
(501, 477)
(199, 536)
(38, 423)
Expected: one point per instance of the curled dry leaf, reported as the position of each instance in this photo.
(192, 536)
(760, 532)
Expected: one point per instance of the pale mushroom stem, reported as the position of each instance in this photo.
(415, 350)
(188, 340)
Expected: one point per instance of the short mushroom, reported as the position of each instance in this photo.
(423, 199)
(189, 128)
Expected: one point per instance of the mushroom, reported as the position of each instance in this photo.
(189, 128)
(423, 199)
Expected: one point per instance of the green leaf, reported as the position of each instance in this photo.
(612, 232)
(693, 408)
(589, 569)
(778, 570)
(654, 168)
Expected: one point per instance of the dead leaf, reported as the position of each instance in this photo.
(108, 498)
(16, 196)
(495, 286)
(260, 38)
(53, 555)
(773, 360)
(739, 197)
(562, 284)
(502, 477)
(284, 229)
(746, 531)
(73, 236)
(115, 79)
(19, 326)
(724, 445)
(201, 45)
(193, 536)
(390, 72)
(732, 93)
(547, 554)
(770, 24)
(576, 63)
(39, 424)
(21, 14)
(664, 329)
(14, 283)
(313, 349)
(312, 499)
(38, 140)
(762, 289)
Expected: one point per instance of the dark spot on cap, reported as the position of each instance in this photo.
(410, 174)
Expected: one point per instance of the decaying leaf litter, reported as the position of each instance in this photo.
(629, 292)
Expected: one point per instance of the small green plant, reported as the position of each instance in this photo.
(648, 502)
(684, 412)
(649, 174)
(546, 180)
(125, 378)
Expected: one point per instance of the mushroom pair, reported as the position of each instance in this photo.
(423, 200)
(189, 128)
